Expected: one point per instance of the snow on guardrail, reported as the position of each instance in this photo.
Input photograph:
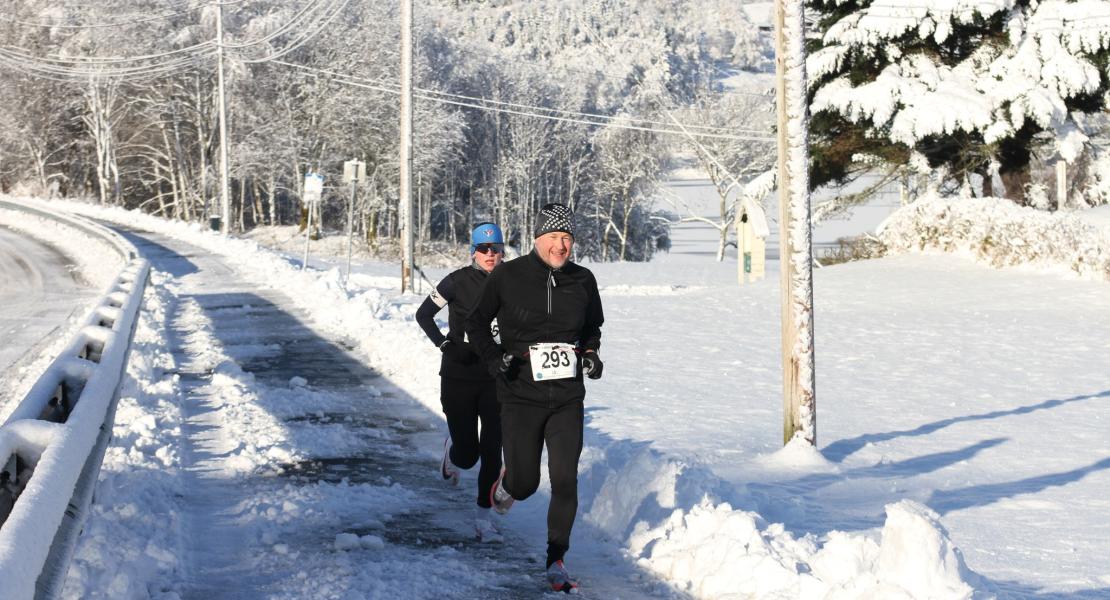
(52, 444)
(126, 249)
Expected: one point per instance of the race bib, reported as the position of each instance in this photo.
(552, 361)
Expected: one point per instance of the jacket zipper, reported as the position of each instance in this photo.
(550, 285)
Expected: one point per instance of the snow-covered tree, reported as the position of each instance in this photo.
(630, 163)
(37, 128)
(973, 86)
(505, 121)
(729, 162)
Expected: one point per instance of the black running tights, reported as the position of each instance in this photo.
(527, 429)
(465, 403)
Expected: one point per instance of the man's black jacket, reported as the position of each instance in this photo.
(459, 292)
(534, 303)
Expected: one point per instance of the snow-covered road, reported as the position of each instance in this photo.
(291, 489)
(39, 290)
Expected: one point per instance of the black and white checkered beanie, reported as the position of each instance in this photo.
(554, 217)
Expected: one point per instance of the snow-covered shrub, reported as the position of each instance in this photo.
(848, 249)
(1097, 191)
(1000, 233)
(1036, 194)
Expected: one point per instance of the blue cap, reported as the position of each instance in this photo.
(485, 233)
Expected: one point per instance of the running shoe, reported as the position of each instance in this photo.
(499, 497)
(485, 527)
(560, 580)
(447, 470)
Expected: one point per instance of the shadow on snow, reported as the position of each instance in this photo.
(393, 433)
(841, 449)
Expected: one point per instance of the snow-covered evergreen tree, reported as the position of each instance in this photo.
(972, 86)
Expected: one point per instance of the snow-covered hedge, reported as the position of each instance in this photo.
(999, 232)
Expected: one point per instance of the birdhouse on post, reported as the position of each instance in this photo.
(751, 241)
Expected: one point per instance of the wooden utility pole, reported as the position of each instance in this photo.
(795, 240)
(225, 202)
(407, 245)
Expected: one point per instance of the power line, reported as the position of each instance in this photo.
(342, 4)
(136, 72)
(529, 107)
(26, 54)
(131, 67)
(612, 121)
(288, 26)
(117, 68)
(31, 56)
(600, 74)
(120, 69)
(584, 114)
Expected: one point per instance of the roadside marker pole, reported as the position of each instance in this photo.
(313, 193)
(353, 172)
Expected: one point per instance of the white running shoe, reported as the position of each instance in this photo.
(560, 580)
(447, 470)
(485, 527)
(498, 497)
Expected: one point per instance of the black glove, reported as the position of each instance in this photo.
(503, 366)
(592, 365)
(452, 350)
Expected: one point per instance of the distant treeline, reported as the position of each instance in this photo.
(113, 132)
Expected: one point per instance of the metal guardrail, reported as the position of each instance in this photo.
(52, 445)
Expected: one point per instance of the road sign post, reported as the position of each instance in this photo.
(313, 193)
(353, 172)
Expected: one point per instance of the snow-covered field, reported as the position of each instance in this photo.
(1098, 216)
(962, 437)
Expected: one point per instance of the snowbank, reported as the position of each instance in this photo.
(668, 517)
(998, 232)
(130, 540)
